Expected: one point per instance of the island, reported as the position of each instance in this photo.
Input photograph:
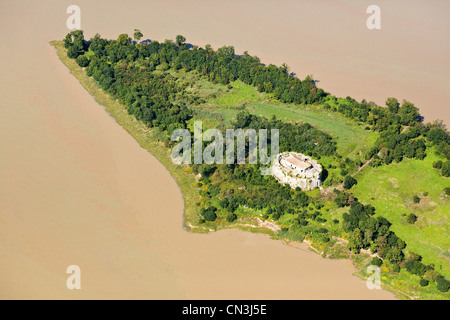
(358, 180)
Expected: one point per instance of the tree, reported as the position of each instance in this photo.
(408, 113)
(137, 35)
(392, 104)
(349, 182)
(376, 262)
(423, 282)
(437, 164)
(411, 219)
(123, 39)
(416, 267)
(416, 198)
(180, 40)
(442, 284)
(231, 217)
(82, 61)
(445, 170)
(447, 191)
(209, 214)
(355, 240)
(72, 52)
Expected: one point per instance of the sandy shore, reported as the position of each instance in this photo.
(75, 188)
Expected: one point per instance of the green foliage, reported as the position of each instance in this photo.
(442, 284)
(75, 44)
(416, 198)
(423, 282)
(141, 77)
(349, 182)
(409, 114)
(82, 61)
(137, 34)
(396, 268)
(342, 198)
(415, 267)
(437, 164)
(376, 262)
(365, 231)
(298, 137)
(209, 214)
(231, 217)
(393, 105)
(180, 40)
(445, 170)
(447, 191)
(411, 219)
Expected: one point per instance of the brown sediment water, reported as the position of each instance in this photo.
(76, 189)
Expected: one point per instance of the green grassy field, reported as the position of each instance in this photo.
(390, 190)
(352, 140)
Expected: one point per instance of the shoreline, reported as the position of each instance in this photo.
(147, 139)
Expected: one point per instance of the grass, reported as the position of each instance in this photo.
(352, 140)
(403, 284)
(390, 190)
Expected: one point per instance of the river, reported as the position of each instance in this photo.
(76, 189)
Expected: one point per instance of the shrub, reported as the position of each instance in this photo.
(376, 262)
(416, 199)
(431, 275)
(412, 218)
(423, 282)
(442, 284)
(303, 222)
(231, 217)
(437, 164)
(82, 61)
(445, 170)
(349, 182)
(447, 191)
(72, 52)
(396, 268)
(415, 267)
(209, 214)
(322, 230)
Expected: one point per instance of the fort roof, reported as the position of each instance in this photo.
(299, 163)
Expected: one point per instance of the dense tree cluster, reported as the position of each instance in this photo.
(402, 133)
(119, 68)
(366, 231)
(298, 137)
(349, 182)
(443, 167)
(224, 66)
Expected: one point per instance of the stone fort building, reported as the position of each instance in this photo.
(297, 170)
